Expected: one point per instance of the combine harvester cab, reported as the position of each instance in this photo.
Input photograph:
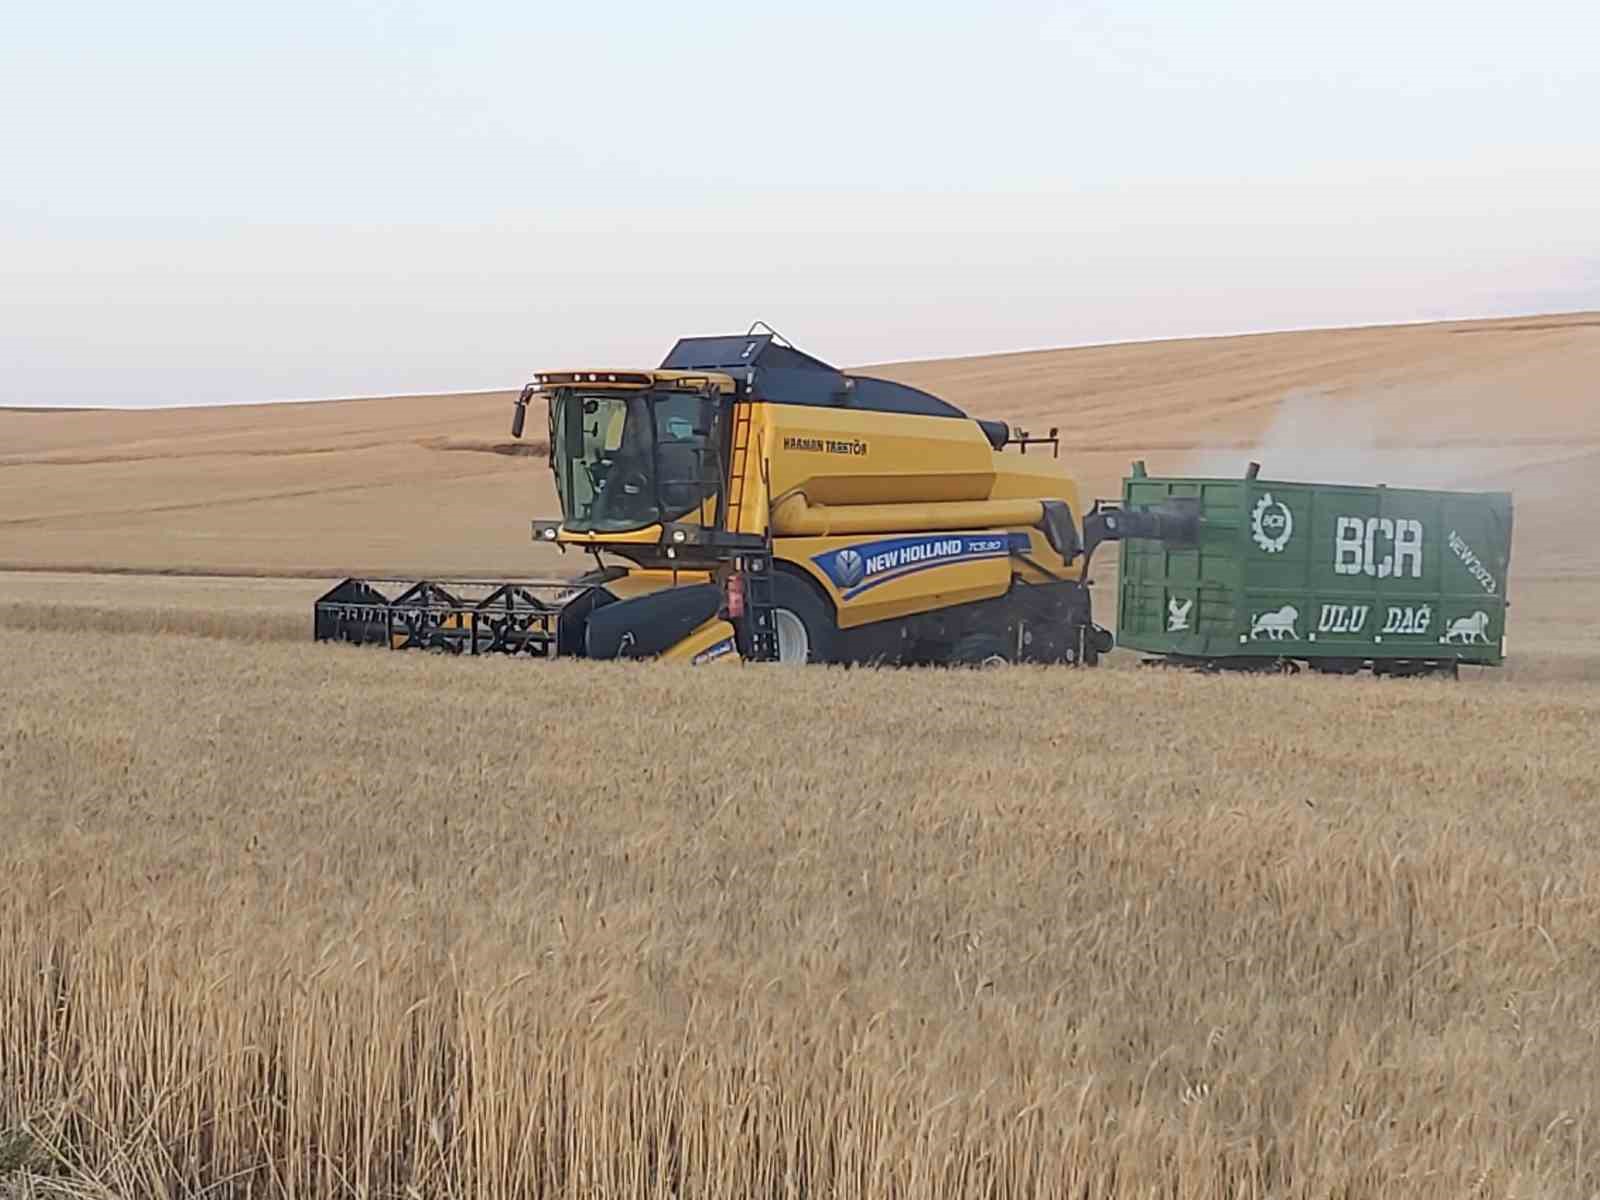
(1340, 579)
(747, 501)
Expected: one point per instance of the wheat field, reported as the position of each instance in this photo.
(286, 921)
(281, 920)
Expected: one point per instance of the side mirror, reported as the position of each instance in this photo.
(520, 416)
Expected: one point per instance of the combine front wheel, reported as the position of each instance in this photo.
(806, 629)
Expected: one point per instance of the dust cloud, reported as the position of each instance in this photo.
(1316, 436)
(1402, 438)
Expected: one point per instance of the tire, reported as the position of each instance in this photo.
(1336, 666)
(981, 650)
(1096, 642)
(807, 632)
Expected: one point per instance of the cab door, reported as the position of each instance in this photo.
(690, 436)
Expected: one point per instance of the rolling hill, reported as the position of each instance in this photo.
(433, 485)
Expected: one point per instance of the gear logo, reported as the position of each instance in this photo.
(1271, 524)
(849, 568)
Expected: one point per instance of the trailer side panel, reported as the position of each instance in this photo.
(1339, 576)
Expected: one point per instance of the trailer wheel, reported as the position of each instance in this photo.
(1336, 666)
(807, 632)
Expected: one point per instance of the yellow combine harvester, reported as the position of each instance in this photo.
(757, 503)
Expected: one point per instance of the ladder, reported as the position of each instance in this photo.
(738, 465)
(759, 608)
(760, 621)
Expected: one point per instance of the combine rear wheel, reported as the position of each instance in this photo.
(980, 650)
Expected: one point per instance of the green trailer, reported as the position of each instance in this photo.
(1339, 578)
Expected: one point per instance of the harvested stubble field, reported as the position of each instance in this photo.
(282, 920)
(433, 485)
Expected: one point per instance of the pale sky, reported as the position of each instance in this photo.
(237, 202)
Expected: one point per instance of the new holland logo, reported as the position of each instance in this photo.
(854, 569)
(850, 567)
(1271, 524)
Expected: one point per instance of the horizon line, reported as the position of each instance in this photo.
(898, 362)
